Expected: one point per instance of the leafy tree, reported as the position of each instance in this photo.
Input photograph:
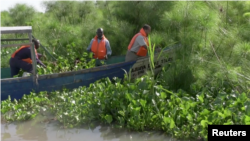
(21, 14)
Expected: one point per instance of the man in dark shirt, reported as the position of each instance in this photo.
(21, 59)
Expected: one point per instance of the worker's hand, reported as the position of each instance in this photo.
(39, 55)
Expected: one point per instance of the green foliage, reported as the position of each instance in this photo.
(208, 83)
(20, 14)
(6, 17)
(68, 64)
(135, 106)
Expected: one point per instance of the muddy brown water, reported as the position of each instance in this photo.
(40, 130)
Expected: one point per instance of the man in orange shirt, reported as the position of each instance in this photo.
(100, 47)
(21, 59)
(139, 44)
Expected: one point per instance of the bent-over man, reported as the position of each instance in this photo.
(21, 59)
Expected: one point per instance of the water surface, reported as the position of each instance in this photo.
(40, 129)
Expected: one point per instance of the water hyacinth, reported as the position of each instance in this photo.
(136, 110)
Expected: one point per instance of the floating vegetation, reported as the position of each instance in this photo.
(134, 106)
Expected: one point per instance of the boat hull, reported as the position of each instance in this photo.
(17, 87)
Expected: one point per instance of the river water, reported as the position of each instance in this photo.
(40, 130)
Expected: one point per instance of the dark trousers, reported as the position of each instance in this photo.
(99, 62)
(131, 56)
(17, 64)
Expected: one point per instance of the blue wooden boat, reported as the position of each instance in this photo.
(17, 87)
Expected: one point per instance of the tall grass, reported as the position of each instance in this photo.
(151, 54)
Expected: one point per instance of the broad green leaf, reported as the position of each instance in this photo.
(172, 123)
(163, 95)
(227, 112)
(247, 120)
(247, 14)
(166, 119)
(204, 123)
(200, 97)
(121, 113)
(109, 118)
(128, 96)
(229, 122)
(143, 102)
(205, 112)
(189, 117)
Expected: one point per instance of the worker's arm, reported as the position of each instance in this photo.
(142, 42)
(38, 59)
(40, 62)
(89, 47)
(39, 55)
(107, 45)
(28, 54)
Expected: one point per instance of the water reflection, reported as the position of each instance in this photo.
(36, 130)
(32, 130)
(108, 133)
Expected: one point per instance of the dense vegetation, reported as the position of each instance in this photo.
(208, 83)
